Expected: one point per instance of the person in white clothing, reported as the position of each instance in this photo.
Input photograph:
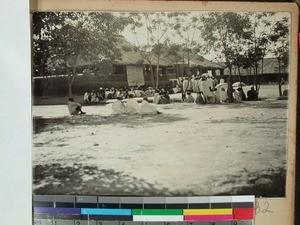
(74, 107)
(223, 95)
(118, 107)
(147, 108)
(132, 107)
(236, 95)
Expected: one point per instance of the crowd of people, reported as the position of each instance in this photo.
(209, 91)
(114, 93)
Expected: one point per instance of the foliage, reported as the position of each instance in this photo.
(222, 33)
(75, 38)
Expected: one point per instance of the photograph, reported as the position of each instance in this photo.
(185, 103)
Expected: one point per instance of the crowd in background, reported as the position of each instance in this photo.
(209, 91)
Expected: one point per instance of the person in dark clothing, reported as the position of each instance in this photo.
(252, 95)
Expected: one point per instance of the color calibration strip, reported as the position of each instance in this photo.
(102, 210)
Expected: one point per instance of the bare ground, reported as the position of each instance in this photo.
(187, 150)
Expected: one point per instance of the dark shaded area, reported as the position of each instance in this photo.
(62, 123)
(264, 185)
(66, 180)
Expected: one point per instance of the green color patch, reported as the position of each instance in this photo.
(158, 212)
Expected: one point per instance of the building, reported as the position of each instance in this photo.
(267, 73)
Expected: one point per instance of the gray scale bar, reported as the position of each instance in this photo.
(243, 204)
(54, 198)
(112, 200)
(132, 200)
(154, 200)
(86, 199)
(43, 198)
(198, 200)
(220, 199)
(176, 200)
(64, 198)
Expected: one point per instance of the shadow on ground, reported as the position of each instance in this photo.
(41, 124)
(90, 180)
(264, 185)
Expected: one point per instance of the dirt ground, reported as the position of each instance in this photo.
(189, 149)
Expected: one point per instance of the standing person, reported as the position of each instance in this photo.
(74, 107)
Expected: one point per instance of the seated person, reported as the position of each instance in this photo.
(190, 98)
(165, 98)
(236, 95)
(132, 107)
(242, 94)
(200, 99)
(86, 97)
(252, 95)
(223, 95)
(149, 92)
(74, 107)
(118, 107)
(148, 108)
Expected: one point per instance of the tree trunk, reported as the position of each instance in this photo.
(239, 70)
(279, 78)
(229, 89)
(70, 90)
(152, 75)
(157, 72)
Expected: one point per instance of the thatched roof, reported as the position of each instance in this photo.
(270, 66)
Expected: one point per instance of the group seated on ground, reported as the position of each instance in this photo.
(113, 93)
(209, 91)
(131, 107)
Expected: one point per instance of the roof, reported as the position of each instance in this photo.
(270, 66)
(132, 57)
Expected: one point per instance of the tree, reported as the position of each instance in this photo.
(75, 37)
(257, 42)
(222, 33)
(280, 40)
(155, 28)
(173, 51)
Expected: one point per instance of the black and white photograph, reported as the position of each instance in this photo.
(187, 103)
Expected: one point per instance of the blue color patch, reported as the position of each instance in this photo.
(108, 212)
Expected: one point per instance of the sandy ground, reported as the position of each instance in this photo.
(188, 150)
